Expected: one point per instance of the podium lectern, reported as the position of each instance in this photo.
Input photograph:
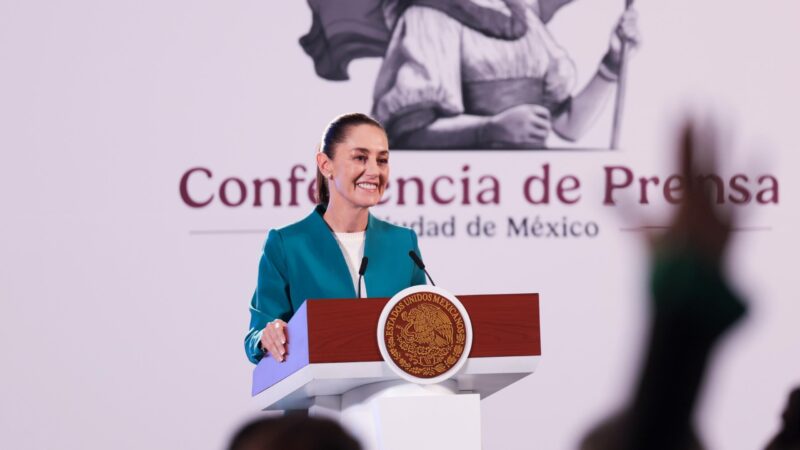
(334, 367)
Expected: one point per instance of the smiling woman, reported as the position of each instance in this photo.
(356, 179)
(325, 254)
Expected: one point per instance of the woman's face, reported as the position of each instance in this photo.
(360, 167)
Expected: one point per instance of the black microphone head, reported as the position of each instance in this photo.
(363, 268)
(416, 259)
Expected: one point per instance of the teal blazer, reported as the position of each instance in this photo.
(303, 261)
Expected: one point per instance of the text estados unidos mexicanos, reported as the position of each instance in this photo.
(200, 187)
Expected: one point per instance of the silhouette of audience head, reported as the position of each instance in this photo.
(293, 432)
(788, 438)
(617, 433)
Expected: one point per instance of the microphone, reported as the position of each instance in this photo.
(418, 261)
(361, 271)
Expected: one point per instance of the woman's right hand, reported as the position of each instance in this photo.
(273, 339)
(521, 126)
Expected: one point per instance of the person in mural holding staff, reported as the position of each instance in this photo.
(488, 74)
(324, 255)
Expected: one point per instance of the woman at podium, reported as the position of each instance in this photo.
(325, 254)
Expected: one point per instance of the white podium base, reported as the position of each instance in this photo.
(395, 415)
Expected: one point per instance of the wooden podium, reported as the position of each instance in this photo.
(333, 365)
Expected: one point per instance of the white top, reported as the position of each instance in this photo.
(352, 245)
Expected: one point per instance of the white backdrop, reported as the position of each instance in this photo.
(121, 327)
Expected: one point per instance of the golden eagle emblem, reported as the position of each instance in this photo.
(425, 334)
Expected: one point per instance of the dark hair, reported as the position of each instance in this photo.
(335, 133)
(293, 432)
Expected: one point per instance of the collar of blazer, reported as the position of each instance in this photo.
(330, 247)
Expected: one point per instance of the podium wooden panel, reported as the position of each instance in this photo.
(332, 348)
